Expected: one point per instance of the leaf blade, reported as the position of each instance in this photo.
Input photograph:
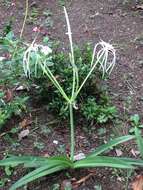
(40, 172)
(139, 141)
(110, 144)
(34, 160)
(103, 161)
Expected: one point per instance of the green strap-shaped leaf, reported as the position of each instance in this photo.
(103, 161)
(139, 140)
(134, 162)
(40, 172)
(34, 161)
(111, 144)
(15, 160)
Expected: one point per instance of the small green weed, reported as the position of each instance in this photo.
(99, 112)
(39, 145)
(62, 2)
(10, 65)
(10, 60)
(33, 16)
(135, 122)
(14, 107)
(3, 181)
(8, 27)
(97, 107)
(48, 21)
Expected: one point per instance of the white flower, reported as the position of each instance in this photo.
(36, 48)
(45, 49)
(106, 56)
(2, 58)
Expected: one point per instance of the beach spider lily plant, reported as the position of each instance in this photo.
(103, 58)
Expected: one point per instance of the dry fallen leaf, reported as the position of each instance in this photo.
(26, 122)
(135, 152)
(8, 95)
(139, 6)
(138, 183)
(119, 152)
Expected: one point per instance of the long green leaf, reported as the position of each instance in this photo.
(40, 172)
(131, 161)
(15, 160)
(51, 160)
(139, 141)
(134, 162)
(111, 144)
(34, 161)
(102, 161)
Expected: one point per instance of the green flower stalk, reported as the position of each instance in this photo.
(103, 56)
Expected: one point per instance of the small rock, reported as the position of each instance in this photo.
(79, 156)
(118, 152)
(20, 88)
(23, 134)
(55, 142)
(119, 179)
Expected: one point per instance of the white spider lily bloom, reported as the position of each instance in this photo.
(26, 59)
(36, 48)
(106, 55)
(45, 49)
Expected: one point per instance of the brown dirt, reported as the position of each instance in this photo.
(91, 20)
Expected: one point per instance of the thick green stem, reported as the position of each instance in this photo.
(72, 132)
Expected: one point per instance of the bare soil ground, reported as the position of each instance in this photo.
(92, 20)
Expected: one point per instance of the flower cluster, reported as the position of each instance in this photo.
(35, 53)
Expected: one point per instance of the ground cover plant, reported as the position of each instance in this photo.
(45, 166)
(10, 103)
(93, 102)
